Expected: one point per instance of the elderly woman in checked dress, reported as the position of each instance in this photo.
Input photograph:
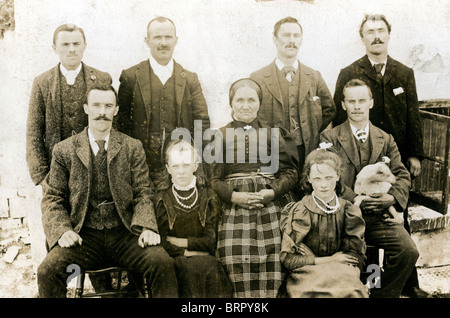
(249, 237)
(323, 243)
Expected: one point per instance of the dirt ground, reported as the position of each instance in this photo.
(18, 280)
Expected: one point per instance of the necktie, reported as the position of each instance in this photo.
(378, 68)
(289, 72)
(361, 135)
(101, 144)
(70, 77)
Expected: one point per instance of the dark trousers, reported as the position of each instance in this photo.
(296, 191)
(413, 280)
(117, 246)
(400, 251)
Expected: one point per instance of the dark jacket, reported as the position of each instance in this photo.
(382, 145)
(135, 101)
(316, 106)
(44, 123)
(400, 116)
(67, 188)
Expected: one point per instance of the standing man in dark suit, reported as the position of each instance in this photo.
(295, 96)
(360, 143)
(396, 106)
(97, 205)
(158, 95)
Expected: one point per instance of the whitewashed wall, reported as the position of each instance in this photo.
(220, 40)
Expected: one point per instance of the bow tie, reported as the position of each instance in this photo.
(361, 135)
(248, 127)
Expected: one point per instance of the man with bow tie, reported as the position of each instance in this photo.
(97, 205)
(295, 96)
(396, 106)
(360, 143)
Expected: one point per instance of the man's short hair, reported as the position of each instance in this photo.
(68, 28)
(105, 88)
(161, 19)
(374, 17)
(356, 83)
(283, 21)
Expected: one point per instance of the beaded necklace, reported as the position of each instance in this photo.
(179, 197)
(329, 208)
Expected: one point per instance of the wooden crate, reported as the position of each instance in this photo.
(432, 187)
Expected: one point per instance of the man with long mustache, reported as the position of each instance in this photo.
(396, 106)
(295, 96)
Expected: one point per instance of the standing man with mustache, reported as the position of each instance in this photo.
(158, 95)
(295, 96)
(396, 106)
(56, 112)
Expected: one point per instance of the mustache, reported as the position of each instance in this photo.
(291, 45)
(377, 41)
(102, 118)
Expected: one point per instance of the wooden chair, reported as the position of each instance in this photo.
(117, 292)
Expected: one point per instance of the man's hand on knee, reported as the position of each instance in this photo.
(69, 239)
(148, 238)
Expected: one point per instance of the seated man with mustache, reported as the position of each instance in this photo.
(97, 206)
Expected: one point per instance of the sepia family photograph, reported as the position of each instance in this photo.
(239, 149)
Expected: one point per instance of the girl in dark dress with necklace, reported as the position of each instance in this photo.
(187, 218)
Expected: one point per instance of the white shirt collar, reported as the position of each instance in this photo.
(384, 66)
(366, 129)
(164, 72)
(94, 146)
(280, 64)
(65, 71)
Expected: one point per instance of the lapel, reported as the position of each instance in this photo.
(346, 139)
(271, 80)
(114, 146)
(304, 82)
(143, 80)
(89, 76)
(377, 142)
(180, 85)
(55, 90)
(368, 68)
(83, 150)
(390, 70)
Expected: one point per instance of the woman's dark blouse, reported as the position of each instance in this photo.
(197, 225)
(286, 176)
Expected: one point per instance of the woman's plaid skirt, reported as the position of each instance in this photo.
(249, 243)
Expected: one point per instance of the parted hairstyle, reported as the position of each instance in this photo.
(283, 21)
(243, 82)
(102, 87)
(320, 156)
(356, 83)
(374, 17)
(68, 28)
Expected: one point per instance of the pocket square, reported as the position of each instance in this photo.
(316, 98)
(398, 90)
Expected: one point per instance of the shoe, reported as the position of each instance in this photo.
(416, 292)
